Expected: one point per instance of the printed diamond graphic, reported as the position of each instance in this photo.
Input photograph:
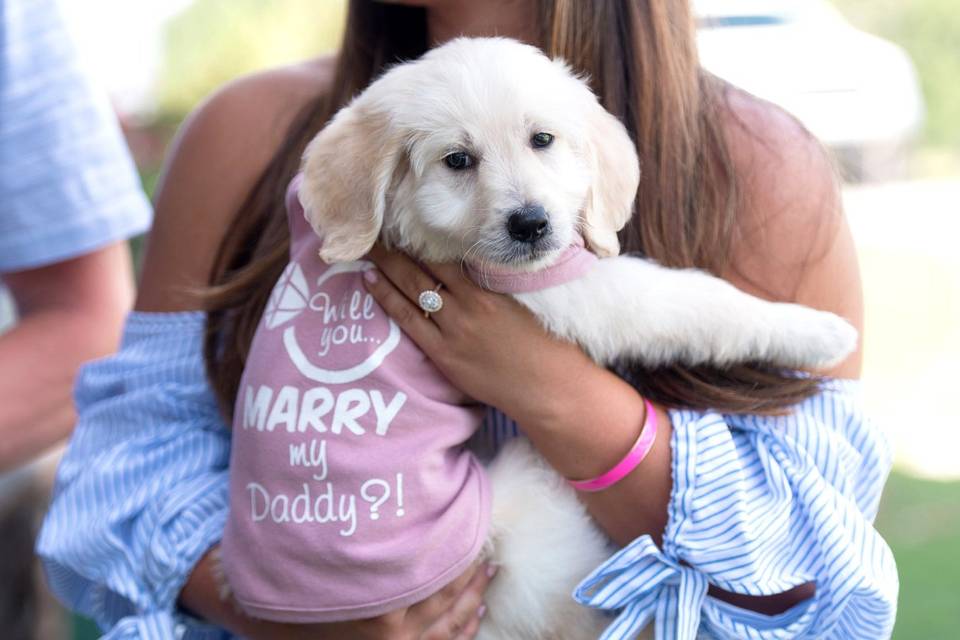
(289, 297)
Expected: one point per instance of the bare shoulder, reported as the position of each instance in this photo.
(790, 196)
(218, 154)
(793, 242)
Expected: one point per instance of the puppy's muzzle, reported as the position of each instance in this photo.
(528, 224)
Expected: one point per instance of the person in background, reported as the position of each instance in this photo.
(69, 199)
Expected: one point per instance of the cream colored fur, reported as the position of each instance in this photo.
(376, 171)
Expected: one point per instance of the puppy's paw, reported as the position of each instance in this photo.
(220, 575)
(815, 339)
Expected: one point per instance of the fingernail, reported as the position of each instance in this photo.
(491, 570)
(482, 611)
(370, 275)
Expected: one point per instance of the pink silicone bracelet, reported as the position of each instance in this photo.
(634, 457)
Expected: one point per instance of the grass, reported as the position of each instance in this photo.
(920, 519)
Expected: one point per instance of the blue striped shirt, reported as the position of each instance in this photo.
(67, 183)
(759, 505)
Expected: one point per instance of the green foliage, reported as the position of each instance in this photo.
(214, 41)
(930, 32)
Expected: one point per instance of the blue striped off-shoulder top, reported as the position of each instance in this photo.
(759, 505)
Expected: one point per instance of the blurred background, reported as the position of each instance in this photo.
(878, 81)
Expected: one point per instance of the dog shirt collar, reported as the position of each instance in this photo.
(573, 263)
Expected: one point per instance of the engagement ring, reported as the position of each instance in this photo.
(430, 301)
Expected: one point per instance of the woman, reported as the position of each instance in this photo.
(730, 184)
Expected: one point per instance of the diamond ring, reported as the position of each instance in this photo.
(430, 301)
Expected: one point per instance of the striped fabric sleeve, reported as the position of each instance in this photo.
(141, 493)
(760, 505)
(68, 185)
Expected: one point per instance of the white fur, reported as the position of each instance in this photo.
(377, 172)
(544, 542)
(631, 309)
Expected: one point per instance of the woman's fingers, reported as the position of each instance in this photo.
(442, 601)
(404, 273)
(469, 608)
(462, 618)
(471, 631)
(409, 280)
(453, 276)
(405, 313)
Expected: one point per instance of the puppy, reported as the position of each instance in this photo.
(484, 152)
(439, 158)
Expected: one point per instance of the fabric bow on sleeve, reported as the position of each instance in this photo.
(641, 583)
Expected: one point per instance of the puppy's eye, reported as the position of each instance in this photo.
(541, 140)
(458, 160)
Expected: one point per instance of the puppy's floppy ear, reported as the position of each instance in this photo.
(348, 168)
(616, 176)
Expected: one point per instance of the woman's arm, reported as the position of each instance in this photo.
(582, 418)
(209, 170)
(763, 506)
(497, 352)
(454, 613)
(142, 489)
(218, 155)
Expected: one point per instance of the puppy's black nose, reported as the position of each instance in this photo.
(528, 224)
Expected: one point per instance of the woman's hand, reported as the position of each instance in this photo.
(580, 417)
(486, 344)
(453, 613)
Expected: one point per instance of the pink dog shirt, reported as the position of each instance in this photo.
(351, 492)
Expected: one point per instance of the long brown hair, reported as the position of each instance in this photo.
(640, 58)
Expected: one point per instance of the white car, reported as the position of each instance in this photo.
(857, 93)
